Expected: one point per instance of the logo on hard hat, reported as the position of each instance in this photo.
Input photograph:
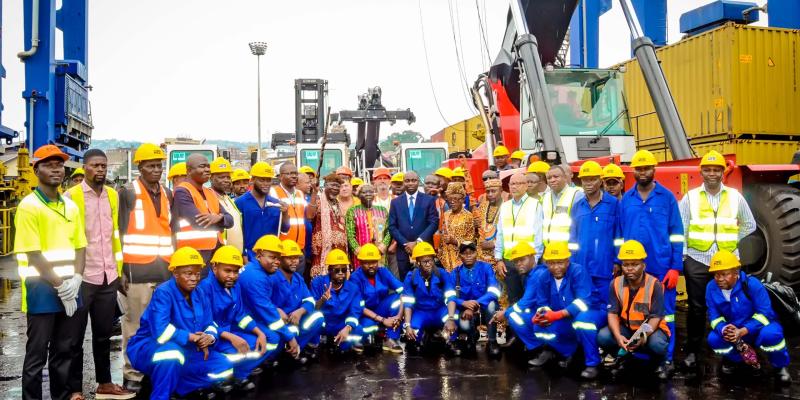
(629, 251)
(236, 257)
(194, 257)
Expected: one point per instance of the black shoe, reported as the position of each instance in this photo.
(454, 349)
(132, 386)
(223, 387)
(590, 373)
(690, 362)
(244, 385)
(783, 376)
(664, 371)
(727, 368)
(565, 362)
(493, 349)
(542, 359)
(510, 342)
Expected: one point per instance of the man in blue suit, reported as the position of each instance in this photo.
(412, 219)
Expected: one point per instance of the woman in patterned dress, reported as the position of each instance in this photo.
(367, 223)
(457, 227)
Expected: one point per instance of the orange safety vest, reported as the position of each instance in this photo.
(199, 239)
(297, 214)
(635, 312)
(148, 235)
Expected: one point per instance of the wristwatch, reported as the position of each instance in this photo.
(406, 325)
(451, 317)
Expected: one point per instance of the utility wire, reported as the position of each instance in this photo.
(483, 29)
(458, 58)
(428, 64)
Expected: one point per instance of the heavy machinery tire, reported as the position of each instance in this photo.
(775, 246)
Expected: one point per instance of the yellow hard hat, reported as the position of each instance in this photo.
(337, 257)
(539, 167)
(517, 155)
(631, 250)
(556, 251)
(369, 252)
(613, 171)
(398, 177)
(148, 151)
(459, 172)
(713, 158)
(643, 158)
(185, 256)
(444, 172)
(500, 151)
(228, 255)
(268, 243)
(356, 181)
(590, 168)
(78, 171)
(178, 169)
(422, 249)
(239, 175)
(220, 165)
(262, 170)
(522, 249)
(305, 169)
(290, 248)
(723, 260)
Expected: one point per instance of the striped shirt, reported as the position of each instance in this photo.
(747, 224)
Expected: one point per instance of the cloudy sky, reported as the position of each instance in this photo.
(164, 68)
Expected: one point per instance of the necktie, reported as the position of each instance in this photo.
(411, 209)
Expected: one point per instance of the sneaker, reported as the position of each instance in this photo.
(590, 373)
(132, 386)
(783, 376)
(690, 362)
(542, 359)
(244, 385)
(664, 371)
(392, 346)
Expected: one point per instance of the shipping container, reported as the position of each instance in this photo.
(733, 82)
(462, 136)
(746, 151)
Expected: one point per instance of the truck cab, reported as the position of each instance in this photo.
(178, 153)
(423, 158)
(336, 155)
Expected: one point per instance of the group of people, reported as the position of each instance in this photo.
(230, 272)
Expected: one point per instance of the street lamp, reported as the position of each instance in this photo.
(258, 49)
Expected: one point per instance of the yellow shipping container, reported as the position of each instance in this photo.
(462, 136)
(733, 82)
(747, 151)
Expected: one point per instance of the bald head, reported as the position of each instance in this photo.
(198, 169)
(411, 181)
(194, 160)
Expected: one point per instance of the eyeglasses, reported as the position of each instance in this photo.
(339, 270)
(428, 261)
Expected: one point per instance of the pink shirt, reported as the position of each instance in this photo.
(100, 261)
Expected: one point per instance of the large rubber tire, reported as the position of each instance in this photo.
(775, 246)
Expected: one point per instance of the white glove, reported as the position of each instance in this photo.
(69, 288)
(70, 306)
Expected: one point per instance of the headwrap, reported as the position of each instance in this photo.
(456, 188)
(493, 183)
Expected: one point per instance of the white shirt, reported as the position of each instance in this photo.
(727, 294)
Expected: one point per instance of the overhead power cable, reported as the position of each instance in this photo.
(428, 64)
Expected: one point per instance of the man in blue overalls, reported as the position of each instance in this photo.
(429, 299)
(380, 293)
(477, 293)
(175, 343)
(339, 300)
(242, 342)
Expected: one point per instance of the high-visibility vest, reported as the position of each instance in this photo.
(634, 313)
(199, 239)
(297, 211)
(76, 194)
(557, 220)
(233, 235)
(148, 235)
(518, 227)
(707, 226)
(60, 254)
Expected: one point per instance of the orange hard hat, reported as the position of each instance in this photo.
(48, 151)
(344, 171)
(381, 172)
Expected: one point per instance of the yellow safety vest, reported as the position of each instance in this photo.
(234, 235)
(518, 227)
(707, 226)
(557, 220)
(76, 194)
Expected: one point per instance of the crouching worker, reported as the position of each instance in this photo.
(242, 342)
(256, 283)
(565, 314)
(340, 302)
(477, 293)
(635, 309)
(429, 300)
(174, 345)
(742, 319)
(294, 301)
(380, 293)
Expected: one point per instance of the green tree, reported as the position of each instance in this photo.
(407, 136)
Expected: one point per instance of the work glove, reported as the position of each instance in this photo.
(69, 288)
(70, 306)
(671, 279)
(67, 297)
(553, 316)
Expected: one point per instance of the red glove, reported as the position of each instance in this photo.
(537, 319)
(671, 279)
(553, 316)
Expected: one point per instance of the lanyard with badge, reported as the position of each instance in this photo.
(514, 216)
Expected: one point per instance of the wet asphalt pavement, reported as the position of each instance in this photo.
(386, 376)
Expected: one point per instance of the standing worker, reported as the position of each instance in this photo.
(595, 233)
(144, 226)
(50, 246)
(500, 155)
(537, 179)
(614, 180)
(715, 217)
(649, 214)
(298, 209)
(558, 204)
(240, 179)
(261, 213)
(398, 184)
(77, 177)
(515, 159)
(221, 183)
(197, 218)
(520, 221)
(177, 174)
(99, 211)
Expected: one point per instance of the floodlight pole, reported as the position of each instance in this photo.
(258, 49)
